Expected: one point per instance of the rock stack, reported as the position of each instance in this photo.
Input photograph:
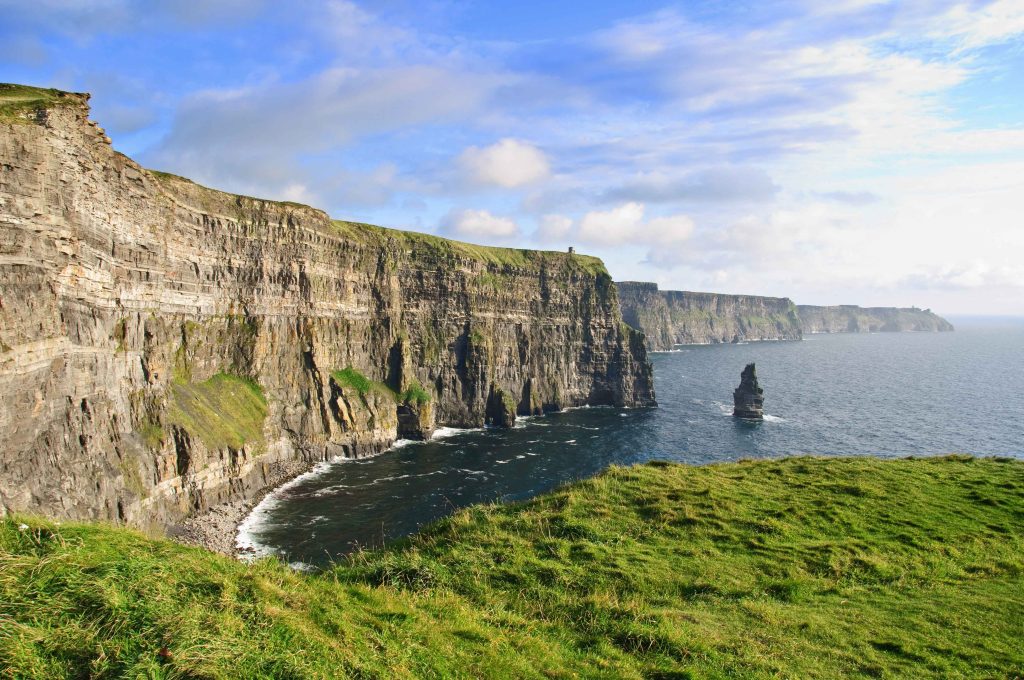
(748, 398)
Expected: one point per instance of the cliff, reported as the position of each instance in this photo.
(165, 347)
(670, 317)
(853, 319)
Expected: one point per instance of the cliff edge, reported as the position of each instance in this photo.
(673, 317)
(165, 347)
(854, 319)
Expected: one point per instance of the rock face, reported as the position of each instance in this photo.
(853, 319)
(670, 317)
(165, 347)
(748, 398)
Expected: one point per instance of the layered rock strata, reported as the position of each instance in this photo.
(672, 317)
(165, 347)
(854, 319)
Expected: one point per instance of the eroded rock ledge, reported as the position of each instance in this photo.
(165, 347)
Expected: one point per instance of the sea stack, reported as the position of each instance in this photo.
(748, 398)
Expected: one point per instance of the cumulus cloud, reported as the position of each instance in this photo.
(621, 227)
(479, 225)
(625, 225)
(554, 229)
(508, 163)
(612, 227)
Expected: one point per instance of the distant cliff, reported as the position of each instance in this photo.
(165, 347)
(853, 319)
(670, 317)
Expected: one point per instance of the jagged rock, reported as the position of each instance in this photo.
(415, 421)
(125, 293)
(748, 398)
(501, 408)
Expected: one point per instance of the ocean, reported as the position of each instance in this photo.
(884, 394)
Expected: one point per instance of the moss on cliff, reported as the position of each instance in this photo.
(803, 568)
(350, 377)
(226, 411)
(17, 100)
(415, 393)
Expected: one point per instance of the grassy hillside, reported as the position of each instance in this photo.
(797, 568)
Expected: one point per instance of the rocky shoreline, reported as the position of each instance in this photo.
(216, 529)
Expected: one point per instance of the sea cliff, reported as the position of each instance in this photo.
(854, 319)
(165, 347)
(673, 317)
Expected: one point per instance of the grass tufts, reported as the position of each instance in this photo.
(415, 394)
(809, 568)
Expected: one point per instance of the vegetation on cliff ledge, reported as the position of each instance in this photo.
(226, 411)
(810, 568)
(417, 243)
(447, 248)
(16, 100)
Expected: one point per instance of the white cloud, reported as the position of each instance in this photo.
(478, 224)
(508, 163)
(671, 229)
(616, 226)
(979, 26)
(554, 229)
(625, 225)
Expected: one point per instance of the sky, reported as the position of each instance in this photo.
(849, 152)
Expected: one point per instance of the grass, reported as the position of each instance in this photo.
(350, 377)
(443, 248)
(226, 411)
(809, 568)
(415, 394)
(16, 100)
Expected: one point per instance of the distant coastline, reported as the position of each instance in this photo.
(668, 318)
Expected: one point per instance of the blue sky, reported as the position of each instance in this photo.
(856, 151)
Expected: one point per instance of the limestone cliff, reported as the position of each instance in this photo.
(165, 347)
(853, 319)
(671, 317)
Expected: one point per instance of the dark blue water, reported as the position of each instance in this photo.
(880, 394)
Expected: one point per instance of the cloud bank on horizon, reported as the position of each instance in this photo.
(869, 152)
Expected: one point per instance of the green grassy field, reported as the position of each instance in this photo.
(800, 568)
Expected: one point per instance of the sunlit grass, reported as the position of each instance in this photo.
(809, 568)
